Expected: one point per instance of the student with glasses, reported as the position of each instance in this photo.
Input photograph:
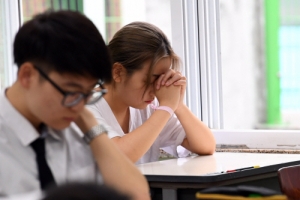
(47, 135)
(73, 98)
(145, 104)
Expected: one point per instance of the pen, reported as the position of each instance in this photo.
(233, 170)
(242, 169)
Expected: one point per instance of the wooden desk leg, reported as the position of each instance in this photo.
(169, 194)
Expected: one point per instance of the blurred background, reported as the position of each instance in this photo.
(260, 47)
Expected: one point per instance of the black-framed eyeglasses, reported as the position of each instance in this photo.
(73, 98)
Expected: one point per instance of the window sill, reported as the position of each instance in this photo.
(277, 151)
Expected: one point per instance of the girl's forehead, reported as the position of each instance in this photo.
(162, 66)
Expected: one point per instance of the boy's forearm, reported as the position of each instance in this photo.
(117, 170)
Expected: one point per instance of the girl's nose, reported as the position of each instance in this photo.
(151, 89)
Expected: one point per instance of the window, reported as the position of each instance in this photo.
(30, 8)
(243, 66)
(230, 35)
(226, 47)
(260, 44)
(234, 41)
(259, 85)
(9, 24)
(10, 21)
(1, 46)
(107, 15)
(289, 62)
(110, 15)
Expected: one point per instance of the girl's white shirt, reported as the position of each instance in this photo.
(169, 139)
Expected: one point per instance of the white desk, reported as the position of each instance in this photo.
(194, 172)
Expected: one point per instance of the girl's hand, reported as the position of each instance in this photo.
(175, 78)
(168, 78)
(169, 96)
(181, 82)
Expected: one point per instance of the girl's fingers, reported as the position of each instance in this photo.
(158, 82)
(174, 78)
(180, 82)
(167, 76)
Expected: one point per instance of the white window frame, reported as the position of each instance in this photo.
(196, 39)
(11, 16)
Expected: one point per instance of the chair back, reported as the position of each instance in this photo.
(289, 179)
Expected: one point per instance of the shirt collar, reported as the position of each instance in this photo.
(19, 125)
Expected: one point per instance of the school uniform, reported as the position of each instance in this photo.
(170, 137)
(67, 154)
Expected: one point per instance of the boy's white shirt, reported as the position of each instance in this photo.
(67, 154)
(169, 139)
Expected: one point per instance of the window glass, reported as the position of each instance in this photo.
(289, 52)
(260, 63)
(110, 15)
(32, 7)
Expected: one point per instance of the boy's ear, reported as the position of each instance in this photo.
(25, 74)
(118, 72)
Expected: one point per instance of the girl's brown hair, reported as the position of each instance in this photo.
(138, 42)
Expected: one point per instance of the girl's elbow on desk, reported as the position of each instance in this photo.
(200, 149)
(207, 151)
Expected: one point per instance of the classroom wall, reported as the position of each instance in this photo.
(243, 69)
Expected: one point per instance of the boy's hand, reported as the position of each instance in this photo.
(85, 120)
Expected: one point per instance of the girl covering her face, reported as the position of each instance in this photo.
(144, 106)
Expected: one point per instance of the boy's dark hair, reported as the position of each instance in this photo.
(82, 191)
(65, 42)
